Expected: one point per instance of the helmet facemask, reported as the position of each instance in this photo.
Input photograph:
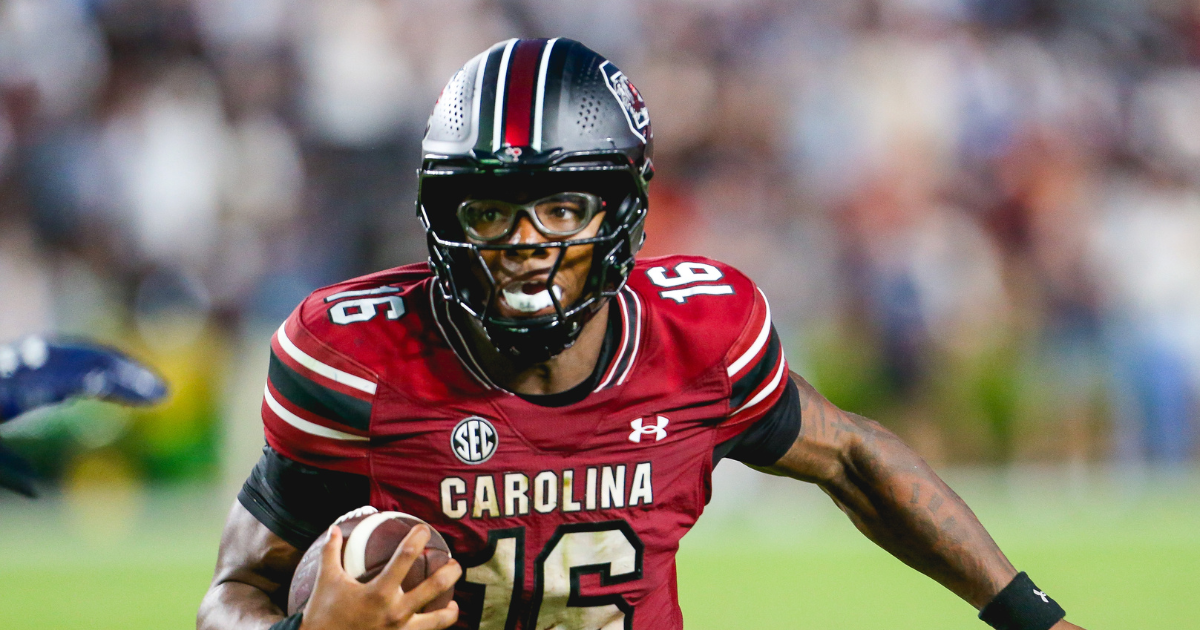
(466, 280)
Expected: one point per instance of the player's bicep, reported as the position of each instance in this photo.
(764, 415)
(818, 453)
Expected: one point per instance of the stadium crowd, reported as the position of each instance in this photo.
(977, 221)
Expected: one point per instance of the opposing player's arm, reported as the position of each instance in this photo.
(895, 499)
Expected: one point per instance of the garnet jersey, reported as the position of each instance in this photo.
(562, 516)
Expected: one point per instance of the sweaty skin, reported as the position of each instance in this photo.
(886, 489)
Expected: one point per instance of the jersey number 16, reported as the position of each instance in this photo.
(609, 548)
(687, 277)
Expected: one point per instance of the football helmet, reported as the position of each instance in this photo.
(539, 116)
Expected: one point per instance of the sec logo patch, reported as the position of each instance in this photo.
(473, 440)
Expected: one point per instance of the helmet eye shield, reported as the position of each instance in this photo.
(555, 216)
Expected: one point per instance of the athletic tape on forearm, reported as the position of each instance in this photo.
(1021, 606)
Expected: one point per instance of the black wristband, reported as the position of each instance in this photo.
(1021, 606)
(289, 623)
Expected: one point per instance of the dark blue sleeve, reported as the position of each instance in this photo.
(35, 373)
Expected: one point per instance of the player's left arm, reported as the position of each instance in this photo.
(895, 499)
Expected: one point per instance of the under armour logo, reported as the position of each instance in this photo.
(659, 429)
(1042, 595)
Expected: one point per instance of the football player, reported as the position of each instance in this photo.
(548, 403)
(35, 373)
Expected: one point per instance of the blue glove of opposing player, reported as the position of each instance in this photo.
(35, 373)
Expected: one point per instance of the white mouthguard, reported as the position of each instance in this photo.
(529, 303)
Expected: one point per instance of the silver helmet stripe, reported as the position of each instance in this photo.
(498, 119)
(539, 103)
(444, 140)
(477, 98)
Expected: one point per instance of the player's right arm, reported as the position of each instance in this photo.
(254, 567)
(316, 414)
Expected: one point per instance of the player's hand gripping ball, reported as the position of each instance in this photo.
(371, 537)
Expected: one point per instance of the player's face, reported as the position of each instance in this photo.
(523, 275)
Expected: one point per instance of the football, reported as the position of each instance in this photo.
(370, 537)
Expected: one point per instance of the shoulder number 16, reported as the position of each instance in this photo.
(687, 277)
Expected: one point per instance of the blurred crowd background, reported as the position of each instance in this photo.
(978, 221)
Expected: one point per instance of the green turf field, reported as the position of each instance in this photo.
(1118, 549)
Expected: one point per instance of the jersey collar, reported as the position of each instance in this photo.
(630, 306)
(627, 302)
